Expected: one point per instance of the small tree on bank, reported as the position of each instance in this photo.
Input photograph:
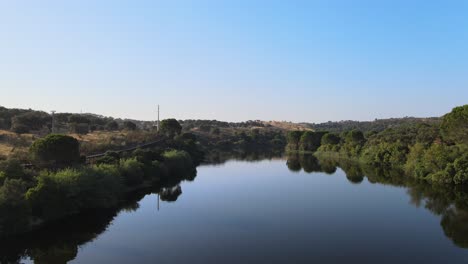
(55, 150)
(170, 127)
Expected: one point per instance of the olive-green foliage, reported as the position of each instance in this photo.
(414, 158)
(14, 209)
(310, 141)
(153, 167)
(330, 139)
(188, 143)
(353, 143)
(111, 157)
(435, 159)
(170, 127)
(132, 171)
(294, 138)
(78, 119)
(30, 121)
(460, 169)
(385, 154)
(355, 137)
(455, 125)
(112, 125)
(426, 151)
(178, 162)
(55, 149)
(129, 125)
(12, 169)
(69, 191)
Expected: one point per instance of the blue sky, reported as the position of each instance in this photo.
(236, 60)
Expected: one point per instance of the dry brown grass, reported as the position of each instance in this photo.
(287, 125)
(13, 144)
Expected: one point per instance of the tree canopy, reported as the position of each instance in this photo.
(170, 127)
(60, 150)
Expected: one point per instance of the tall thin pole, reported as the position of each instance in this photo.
(53, 121)
(157, 125)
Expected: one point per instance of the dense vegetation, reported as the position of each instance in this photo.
(59, 183)
(367, 126)
(31, 121)
(433, 151)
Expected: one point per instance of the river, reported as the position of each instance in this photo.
(268, 211)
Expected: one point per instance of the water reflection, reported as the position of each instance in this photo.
(59, 242)
(448, 202)
(220, 157)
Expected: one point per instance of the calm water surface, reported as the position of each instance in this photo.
(262, 212)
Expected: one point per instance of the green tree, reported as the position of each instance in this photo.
(30, 121)
(310, 141)
(330, 139)
(293, 139)
(112, 126)
(170, 127)
(55, 150)
(129, 125)
(455, 125)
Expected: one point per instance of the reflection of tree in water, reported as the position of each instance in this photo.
(309, 163)
(293, 163)
(353, 172)
(447, 201)
(220, 157)
(170, 194)
(58, 241)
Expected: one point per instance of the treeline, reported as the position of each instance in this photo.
(208, 124)
(39, 122)
(436, 152)
(30, 121)
(243, 141)
(59, 182)
(377, 125)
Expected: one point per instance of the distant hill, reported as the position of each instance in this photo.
(366, 126)
(39, 122)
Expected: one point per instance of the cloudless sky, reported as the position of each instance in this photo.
(236, 60)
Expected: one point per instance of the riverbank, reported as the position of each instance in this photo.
(52, 190)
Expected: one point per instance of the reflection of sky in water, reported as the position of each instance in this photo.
(262, 212)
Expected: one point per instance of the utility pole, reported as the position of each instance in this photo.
(157, 124)
(53, 121)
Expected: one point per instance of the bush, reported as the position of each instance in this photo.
(330, 139)
(14, 209)
(26, 122)
(71, 190)
(460, 169)
(12, 169)
(170, 127)
(455, 125)
(111, 157)
(112, 125)
(132, 171)
(58, 150)
(310, 141)
(178, 163)
(128, 125)
(386, 155)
